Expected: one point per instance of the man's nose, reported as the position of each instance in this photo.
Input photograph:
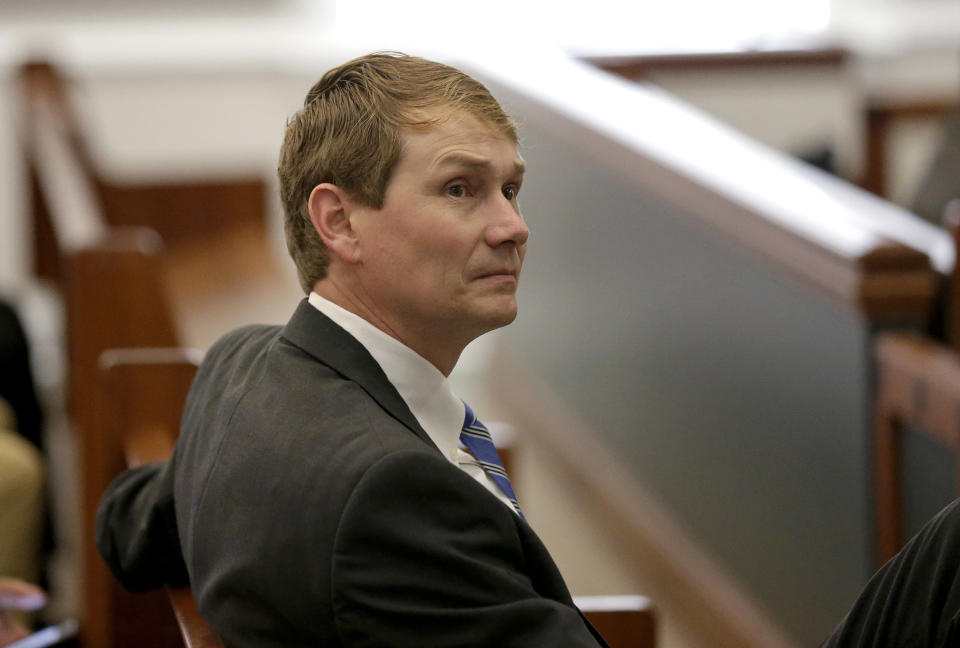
(508, 226)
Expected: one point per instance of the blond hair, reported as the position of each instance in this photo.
(349, 134)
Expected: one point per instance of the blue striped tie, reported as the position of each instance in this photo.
(476, 438)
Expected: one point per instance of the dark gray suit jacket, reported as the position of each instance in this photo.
(311, 509)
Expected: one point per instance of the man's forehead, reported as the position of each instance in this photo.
(465, 160)
(456, 138)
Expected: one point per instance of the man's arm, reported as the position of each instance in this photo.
(137, 529)
(424, 556)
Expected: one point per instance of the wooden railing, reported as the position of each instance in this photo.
(884, 115)
(882, 118)
(109, 279)
(70, 182)
(642, 67)
(91, 238)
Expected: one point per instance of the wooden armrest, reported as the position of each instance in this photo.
(919, 384)
(624, 621)
(143, 391)
(196, 632)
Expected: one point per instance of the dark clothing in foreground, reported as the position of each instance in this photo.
(914, 600)
(16, 377)
(307, 507)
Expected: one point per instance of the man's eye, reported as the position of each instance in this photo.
(456, 191)
(510, 192)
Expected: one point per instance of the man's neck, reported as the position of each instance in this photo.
(444, 359)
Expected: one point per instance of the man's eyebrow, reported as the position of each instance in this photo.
(470, 162)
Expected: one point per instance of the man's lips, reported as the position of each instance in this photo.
(495, 274)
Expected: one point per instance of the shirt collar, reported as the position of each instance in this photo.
(422, 386)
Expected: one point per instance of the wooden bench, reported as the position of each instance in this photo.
(63, 172)
(108, 279)
(92, 241)
(145, 389)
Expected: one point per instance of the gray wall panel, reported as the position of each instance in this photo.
(736, 393)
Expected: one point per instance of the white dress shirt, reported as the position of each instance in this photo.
(422, 386)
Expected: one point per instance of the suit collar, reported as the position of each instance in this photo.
(319, 336)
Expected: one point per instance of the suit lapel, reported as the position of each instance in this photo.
(329, 344)
(324, 340)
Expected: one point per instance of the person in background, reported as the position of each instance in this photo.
(21, 502)
(16, 595)
(16, 378)
(25, 529)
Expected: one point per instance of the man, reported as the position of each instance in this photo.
(328, 489)
(319, 494)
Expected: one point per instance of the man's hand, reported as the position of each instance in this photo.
(17, 595)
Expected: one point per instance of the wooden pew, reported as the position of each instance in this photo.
(91, 241)
(109, 281)
(623, 621)
(144, 390)
(182, 212)
(207, 226)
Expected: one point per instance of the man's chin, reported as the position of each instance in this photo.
(486, 314)
(502, 316)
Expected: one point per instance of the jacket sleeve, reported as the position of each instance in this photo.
(424, 556)
(137, 529)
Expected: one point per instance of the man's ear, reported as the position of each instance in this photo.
(330, 209)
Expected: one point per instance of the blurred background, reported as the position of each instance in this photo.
(731, 385)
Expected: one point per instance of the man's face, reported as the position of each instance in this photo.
(441, 259)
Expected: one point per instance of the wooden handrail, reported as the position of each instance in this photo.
(623, 621)
(194, 629)
(842, 240)
(73, 202)
(641, 66)
(64, 188)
